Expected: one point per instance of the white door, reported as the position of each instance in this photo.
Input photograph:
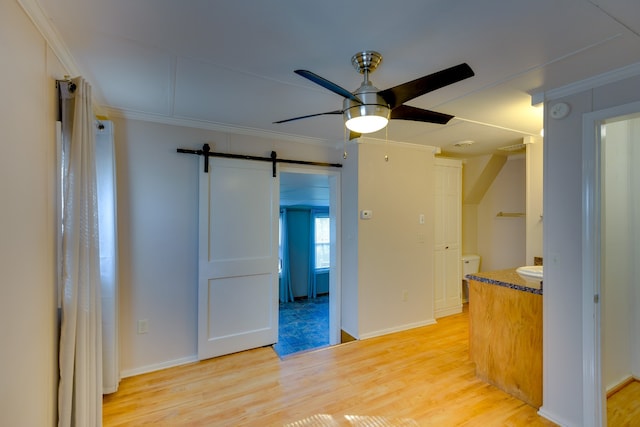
(238, 257)
(448, 281)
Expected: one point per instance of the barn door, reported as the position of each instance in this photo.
(238, 257)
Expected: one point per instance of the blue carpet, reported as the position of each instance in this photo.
(303, 325)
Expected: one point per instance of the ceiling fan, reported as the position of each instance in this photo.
(369, 109)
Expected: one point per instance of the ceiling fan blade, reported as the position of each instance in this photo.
(327, 85)
(310, 115)
(405, 112)
(400, 94)
(354, 135)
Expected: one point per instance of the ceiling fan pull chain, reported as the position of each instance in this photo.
(344, 154)
(386, 141)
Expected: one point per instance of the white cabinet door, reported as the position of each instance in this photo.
(448, 283)
(448, 206)
(238, 257)
(448, 209)
(440, 277)
(453, 281)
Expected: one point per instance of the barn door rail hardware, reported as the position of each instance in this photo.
(206, 152)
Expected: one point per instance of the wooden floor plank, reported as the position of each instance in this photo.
(420, 377)
(623, 407)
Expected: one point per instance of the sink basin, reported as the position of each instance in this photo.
(530, 273)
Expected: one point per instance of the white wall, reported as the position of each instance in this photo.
(350, 311)
(534, 183)
(617, 304)
(634, 150)
(157, 208)
(158, 235)
(502, 240)
(471, 170)
(28, 315)
(157, 220)
(395, 251)
(563, 356)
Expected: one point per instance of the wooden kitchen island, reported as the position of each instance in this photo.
(505, 333)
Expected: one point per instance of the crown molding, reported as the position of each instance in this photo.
(34, 11)
(43, 23)
(207, 125)
(612, 76)
(378, 141)
(258, 133)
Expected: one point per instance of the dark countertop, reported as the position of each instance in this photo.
(507, 278)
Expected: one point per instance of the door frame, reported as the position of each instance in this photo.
(594, 395)
(335, 215)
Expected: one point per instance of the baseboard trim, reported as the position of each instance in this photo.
(400, 328)
(448, 311)
(549, 416)
(622, 384)
(346, 337)
(158, 366)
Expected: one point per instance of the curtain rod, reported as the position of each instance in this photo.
(206, 152)
(72, 89)
(67, 79)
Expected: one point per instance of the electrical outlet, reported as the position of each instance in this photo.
(366, 214)
(143, 326)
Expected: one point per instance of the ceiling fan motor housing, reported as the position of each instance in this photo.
(373, 105)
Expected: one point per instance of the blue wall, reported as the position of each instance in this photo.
(298, 221)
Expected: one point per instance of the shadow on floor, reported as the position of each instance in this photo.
(303, 325)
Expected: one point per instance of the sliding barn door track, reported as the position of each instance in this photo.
(206, 152)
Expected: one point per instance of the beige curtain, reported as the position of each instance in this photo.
(80, 359)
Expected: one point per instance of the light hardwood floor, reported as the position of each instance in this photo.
(420, 377)
(623, 407)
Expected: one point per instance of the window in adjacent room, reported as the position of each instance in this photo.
(322, 241)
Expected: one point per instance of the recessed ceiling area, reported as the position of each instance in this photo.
(231, 63)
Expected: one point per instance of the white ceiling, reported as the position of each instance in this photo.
(230, 63)
(297, 189)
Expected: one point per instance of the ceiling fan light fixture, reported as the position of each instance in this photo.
(368, 109)
(366, 118)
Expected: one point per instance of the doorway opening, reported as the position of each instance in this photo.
(309, 255)
(610, 267)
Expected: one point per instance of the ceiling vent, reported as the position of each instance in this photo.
(464, 143)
